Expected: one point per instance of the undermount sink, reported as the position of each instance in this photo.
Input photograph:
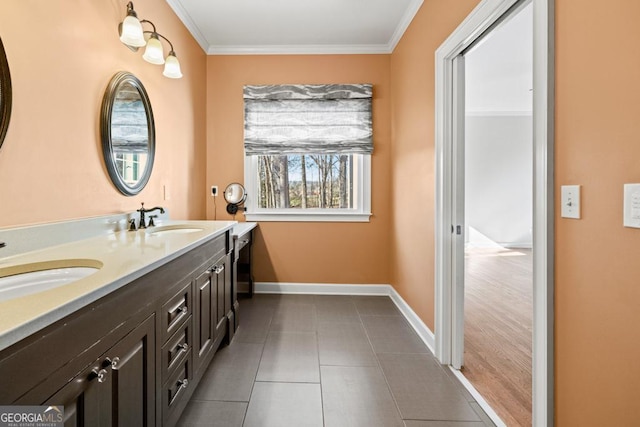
(26, 279)
(173, 229)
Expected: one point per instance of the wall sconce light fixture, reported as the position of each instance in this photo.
(132, 35)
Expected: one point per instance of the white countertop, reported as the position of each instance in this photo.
(242, 228)
(123, 256)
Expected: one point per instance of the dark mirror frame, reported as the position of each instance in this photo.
(117, 80)
(5, 94)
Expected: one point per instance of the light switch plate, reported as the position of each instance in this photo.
(632, 205)
(570, 201)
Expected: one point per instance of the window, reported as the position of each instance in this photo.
(308, 152)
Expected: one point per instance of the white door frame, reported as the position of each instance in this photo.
(482, 18)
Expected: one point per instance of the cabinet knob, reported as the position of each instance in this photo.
(184, 347)
(112, 363)
(183, 383)
(99, 374)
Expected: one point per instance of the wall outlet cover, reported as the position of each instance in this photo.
(631, 205)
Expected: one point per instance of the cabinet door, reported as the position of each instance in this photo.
(118, 388)
(133, 377)
(222, 279)
(205, 316)
(86, 399)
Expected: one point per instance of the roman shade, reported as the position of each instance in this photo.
(299, 119)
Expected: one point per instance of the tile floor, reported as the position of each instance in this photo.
(311, 360)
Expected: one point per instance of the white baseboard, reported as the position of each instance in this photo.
(478, 397)
(423, 331)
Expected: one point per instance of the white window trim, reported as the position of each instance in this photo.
(362, 199)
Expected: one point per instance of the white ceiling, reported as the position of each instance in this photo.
(296, 26)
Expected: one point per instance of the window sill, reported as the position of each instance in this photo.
(308, 217)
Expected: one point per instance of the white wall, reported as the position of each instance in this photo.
(498, 180)
(498, 135)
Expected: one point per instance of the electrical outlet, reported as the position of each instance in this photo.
(214, 190)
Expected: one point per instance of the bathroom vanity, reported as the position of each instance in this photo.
(129, 344)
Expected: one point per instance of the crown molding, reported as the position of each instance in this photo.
(299, 50)
(404, 23)
(182, 14)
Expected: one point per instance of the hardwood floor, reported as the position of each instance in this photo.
(498, 328)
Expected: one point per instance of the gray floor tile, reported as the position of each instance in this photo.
(392, 334)
(231, 375)
(213, 414)
(331, 308)
(344, 344)
(463, 390)
(375, 306)
(285, 404)
(483, 415)
(294, 317)
(255, 320)
(423, 391)
(290, 357)
(274, 300)
(357, 396)
(409, 423)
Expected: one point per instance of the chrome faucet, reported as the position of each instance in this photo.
(143, 211)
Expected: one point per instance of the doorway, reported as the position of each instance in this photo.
(452, 231)
(497, 165)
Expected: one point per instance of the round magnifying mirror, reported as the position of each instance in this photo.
(128, 133)
(235, 195)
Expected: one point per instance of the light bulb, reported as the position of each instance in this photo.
(131, 31)
(154, 53)
(172, 67)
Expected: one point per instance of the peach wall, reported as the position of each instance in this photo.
(413, 150)
(597, 268)
(597, 260)
(303, 252)
(62, 55)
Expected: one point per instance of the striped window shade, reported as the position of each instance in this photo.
(299, 119)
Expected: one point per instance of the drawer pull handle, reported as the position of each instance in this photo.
(183, 383)
(218, 269)
(183, 347)
(99, 374)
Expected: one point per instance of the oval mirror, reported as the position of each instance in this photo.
(5, 94)
(128, 133)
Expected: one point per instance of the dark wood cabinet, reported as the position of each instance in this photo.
(135, 356)
(222, 279)
(206, 306)
(212, 291)
(118, 388)
(241, 270)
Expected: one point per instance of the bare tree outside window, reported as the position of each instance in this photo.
(311, 181)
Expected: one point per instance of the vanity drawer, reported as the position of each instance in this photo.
(176, 310)
(176, 349)
(175, 390)
(242, 241)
